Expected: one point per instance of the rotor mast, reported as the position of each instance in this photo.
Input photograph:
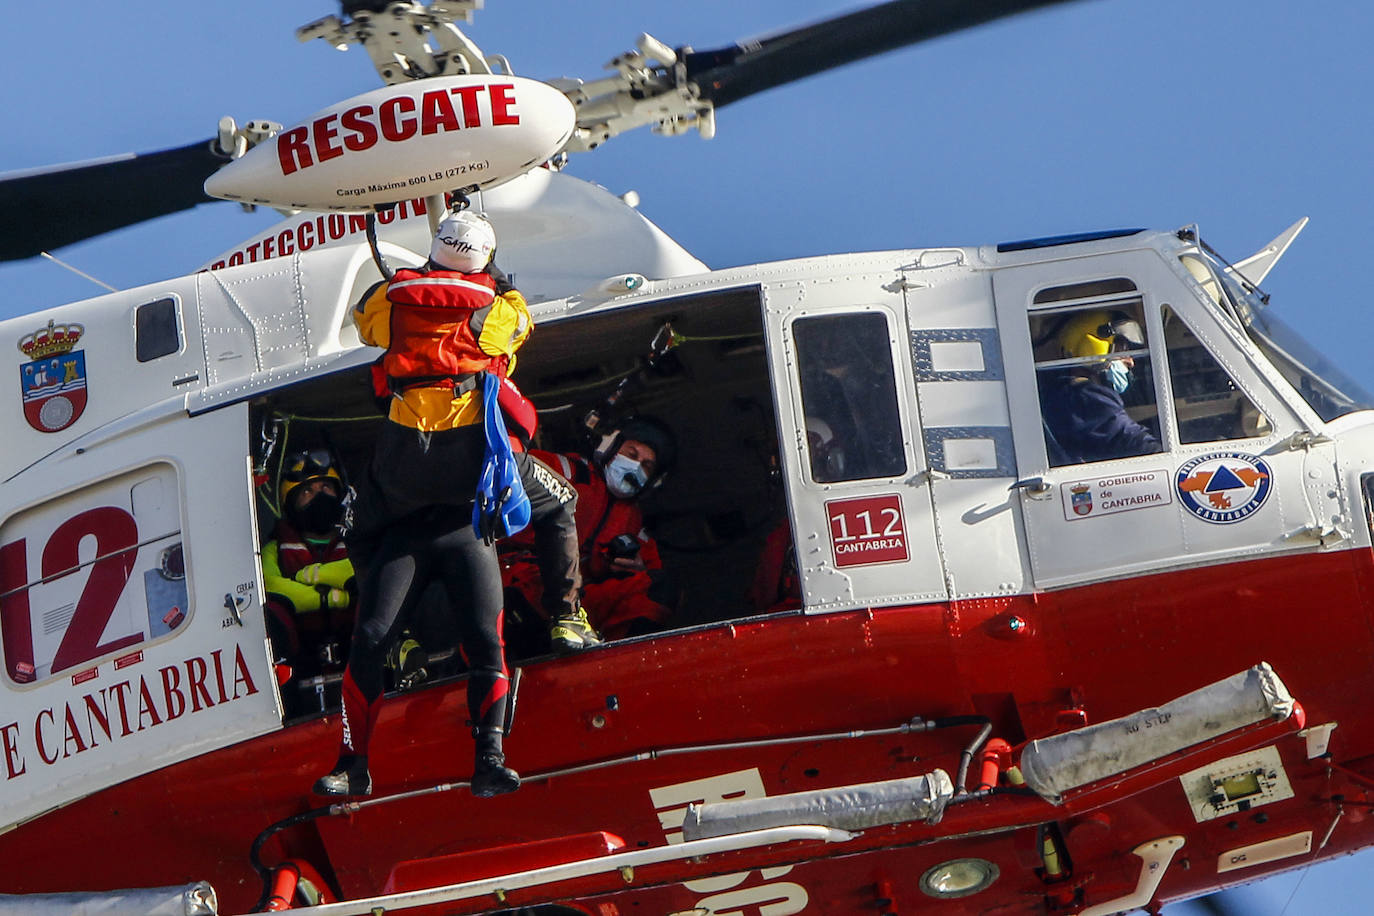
(407, 40)
(396, 35)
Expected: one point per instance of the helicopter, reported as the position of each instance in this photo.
(231, 684)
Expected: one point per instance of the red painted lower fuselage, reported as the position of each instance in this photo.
(1083, 656)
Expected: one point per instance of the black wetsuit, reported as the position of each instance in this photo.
(412, 525)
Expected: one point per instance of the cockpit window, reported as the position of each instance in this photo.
(1208, 405)
(1326, 389)
(1094, 372)
(1094, 289)
(849, 393)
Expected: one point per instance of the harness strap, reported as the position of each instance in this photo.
(462, 384)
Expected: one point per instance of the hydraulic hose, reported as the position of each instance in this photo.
(382, 265)
(966, 758)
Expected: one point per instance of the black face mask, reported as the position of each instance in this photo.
(317, 516)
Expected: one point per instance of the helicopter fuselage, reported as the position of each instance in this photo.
(973, 594)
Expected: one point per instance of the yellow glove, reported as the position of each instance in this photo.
(309, 575)
(337, 598)
(335, 574)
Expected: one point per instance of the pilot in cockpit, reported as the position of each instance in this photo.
(1084, 412)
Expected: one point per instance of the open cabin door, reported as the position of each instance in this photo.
(860, 501)
(130, 621)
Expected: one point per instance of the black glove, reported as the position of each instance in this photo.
(503, 284)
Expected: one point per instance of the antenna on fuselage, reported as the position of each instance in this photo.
(80, 273)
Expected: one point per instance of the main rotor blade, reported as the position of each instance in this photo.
(729, 74)
(43, 209)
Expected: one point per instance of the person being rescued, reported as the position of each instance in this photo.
(312, 595)
(448, 329)
(622, 571)
(553, 501)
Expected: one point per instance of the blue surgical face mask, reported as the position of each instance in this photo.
(1118, 375)
(625, 477)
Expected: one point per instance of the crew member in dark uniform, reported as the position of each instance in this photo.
(1083, 408)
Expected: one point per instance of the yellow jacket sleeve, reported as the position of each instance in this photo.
(336, 574)
(302, 598)
(506, 328)
(372, 317)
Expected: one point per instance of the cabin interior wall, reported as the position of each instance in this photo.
(712, 513)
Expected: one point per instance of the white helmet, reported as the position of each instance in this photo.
(465, 242)
(827, 452)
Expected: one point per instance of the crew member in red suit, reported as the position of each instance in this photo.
(776, 586)
(552, 532)
(620, 561)
(311, 590)
(777, 581)
(412, 518)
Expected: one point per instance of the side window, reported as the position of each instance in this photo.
(1208, 405)
(95, 573)
(849, 395)
(1094, 372)
(155, 330)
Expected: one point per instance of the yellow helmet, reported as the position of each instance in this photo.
(1096, 333)
(302, 467)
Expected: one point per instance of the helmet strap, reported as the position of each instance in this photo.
(606, 449)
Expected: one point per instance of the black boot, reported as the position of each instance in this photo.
(349, 777)
(490, 775)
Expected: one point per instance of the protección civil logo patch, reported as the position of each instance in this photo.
(1225, 487)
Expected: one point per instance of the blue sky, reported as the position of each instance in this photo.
(1238, 115)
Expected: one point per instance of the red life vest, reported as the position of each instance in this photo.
(776, 584)
(436, 319)
(522, 419)
(294, 553)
